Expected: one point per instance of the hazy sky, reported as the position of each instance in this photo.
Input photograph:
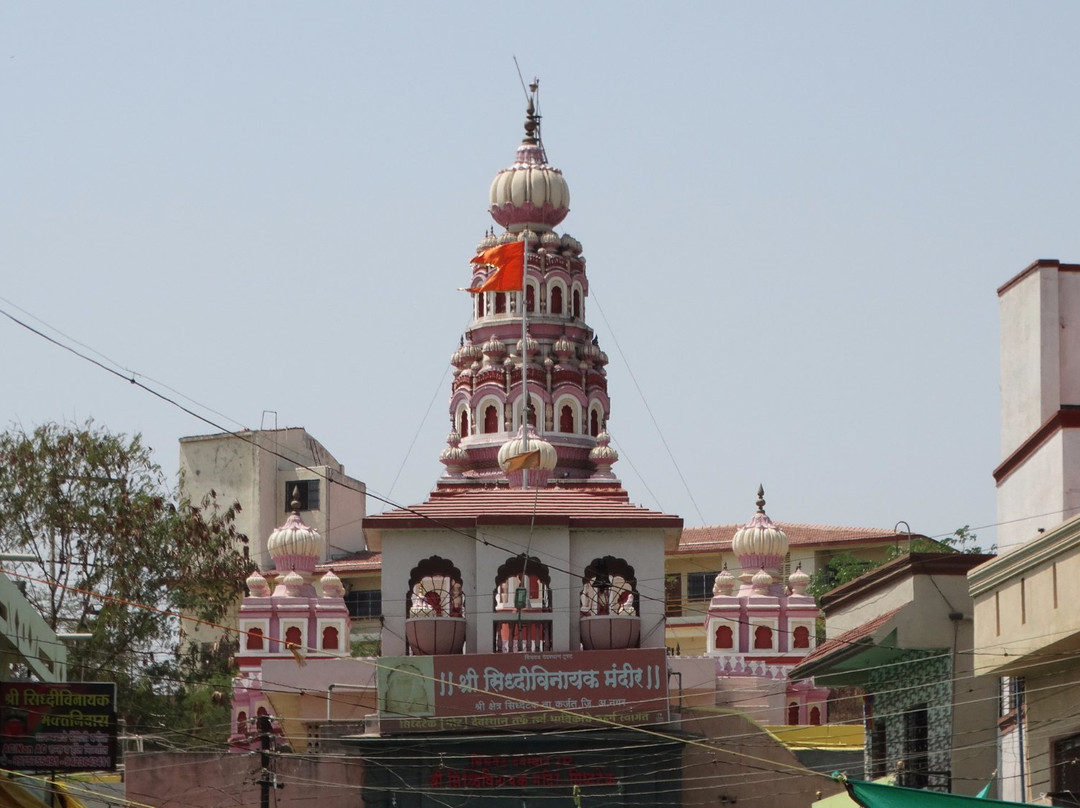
(795, 217)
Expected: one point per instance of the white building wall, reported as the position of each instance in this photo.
(549, 544)
(402, 551)
(641, 549)
(1040, 374)
(1031, 496)
(1030, 358)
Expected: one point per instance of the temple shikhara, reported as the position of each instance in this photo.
(523, 606)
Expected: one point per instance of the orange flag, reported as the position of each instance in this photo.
(528, 460)
(509, 261)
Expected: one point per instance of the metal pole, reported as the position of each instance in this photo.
(263, 725)
(524, 356)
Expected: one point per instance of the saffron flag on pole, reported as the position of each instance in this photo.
(509, 263)
(527, 460)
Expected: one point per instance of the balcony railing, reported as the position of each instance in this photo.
(528, 636)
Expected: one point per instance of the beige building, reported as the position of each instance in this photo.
(1027, 627)
(901, 633)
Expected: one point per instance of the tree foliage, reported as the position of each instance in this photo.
(846, 566)
(97, 514)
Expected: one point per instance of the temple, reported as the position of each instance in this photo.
(524, 602)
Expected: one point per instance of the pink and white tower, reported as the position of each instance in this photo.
(760, 626)
(301, 618)
(562, 361)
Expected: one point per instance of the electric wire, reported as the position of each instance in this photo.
(133, 381)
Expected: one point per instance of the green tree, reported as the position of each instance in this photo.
(96, 512)
(846, 566)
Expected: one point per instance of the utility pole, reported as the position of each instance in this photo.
(267, 779)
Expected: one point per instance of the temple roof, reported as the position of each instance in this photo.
(716, 538)
(575, 508)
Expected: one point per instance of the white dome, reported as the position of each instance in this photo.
(761, 580)
(725, 582)
(530, 193)
(331, 585)
(294, 583)
(799, 581)
(515, 446)
(294, 544)
(759, 537)
(760, 542)
(257, 585)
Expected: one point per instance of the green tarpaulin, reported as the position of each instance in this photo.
(878, 795)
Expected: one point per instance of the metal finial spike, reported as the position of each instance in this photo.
(760, 498)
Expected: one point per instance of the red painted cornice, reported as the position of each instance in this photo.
(1042, 263)
(1067, 417)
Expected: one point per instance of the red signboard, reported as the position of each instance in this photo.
(523, 691)
(58, 726)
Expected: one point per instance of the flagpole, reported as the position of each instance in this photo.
(524, 353)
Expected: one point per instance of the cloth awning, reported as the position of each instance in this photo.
(12, 795)
(879, 795)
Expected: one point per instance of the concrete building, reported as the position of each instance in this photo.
(265, 470)
(1027, 627)
(902, 632)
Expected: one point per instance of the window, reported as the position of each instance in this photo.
(330, 638)
(254, 640)
(724, 637)
(916, 773)
(577, 303)
(879, 764)
(1066, 777)
(793, 713)
(815, 716)
(762, 638)
(1012, 694)
(500, 303)
(566, 419)
(491, 419)
(800, 637)
(699, 585)
(530, 299)
(594, 423)
(306, 492)
(555, 306)
(463, 427)
(293, 636)
(364, 602)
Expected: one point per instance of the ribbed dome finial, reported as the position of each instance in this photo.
(760, 543)
(530, 193)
